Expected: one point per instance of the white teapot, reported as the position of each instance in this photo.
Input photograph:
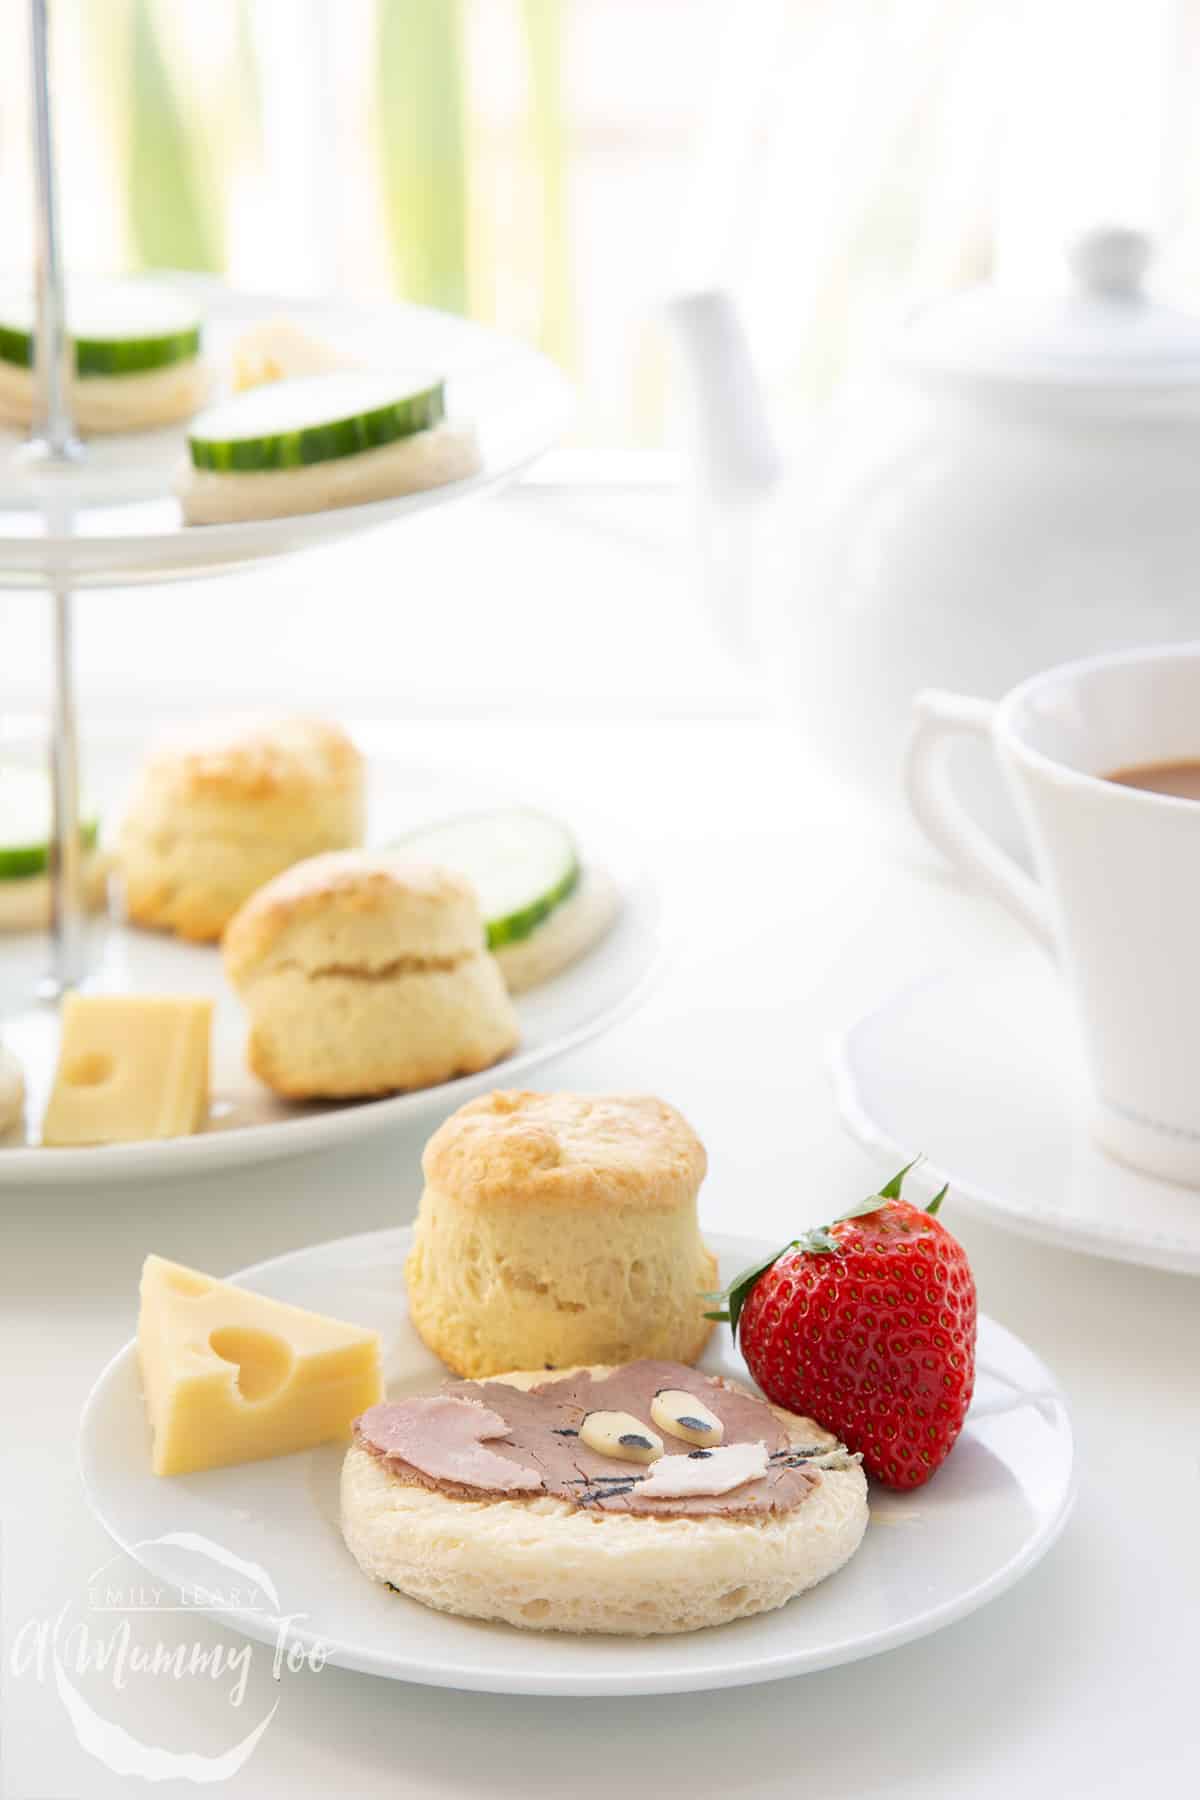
(1020, 487)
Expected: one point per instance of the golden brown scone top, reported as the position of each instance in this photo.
(355, 911)
(577, 1149)
(255, 759)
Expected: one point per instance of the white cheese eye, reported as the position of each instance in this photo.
(683, 1416)
(619, 1434)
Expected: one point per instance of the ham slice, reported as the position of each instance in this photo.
(442, 1436)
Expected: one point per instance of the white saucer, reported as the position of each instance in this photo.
(247, 1122)
(928, 1559)
(980, 1070)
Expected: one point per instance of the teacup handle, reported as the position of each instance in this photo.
(938, 718)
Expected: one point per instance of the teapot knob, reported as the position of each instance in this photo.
(1111, 260)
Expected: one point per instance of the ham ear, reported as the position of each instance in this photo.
(443, 1436)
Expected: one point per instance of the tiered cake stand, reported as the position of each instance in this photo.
(77, 516)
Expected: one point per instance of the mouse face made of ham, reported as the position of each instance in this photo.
(491, 1439)
(488, 1500)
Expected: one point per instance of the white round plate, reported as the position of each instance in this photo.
(248, 1123)
(980, 1070)
(929, 1557)
(114, 519)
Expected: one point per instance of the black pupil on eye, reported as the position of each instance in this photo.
(691, 1423)
(634, 1440)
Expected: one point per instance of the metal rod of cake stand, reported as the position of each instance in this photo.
(55, 443)
(66, 864)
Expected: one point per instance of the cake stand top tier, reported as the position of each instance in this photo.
(114, 520)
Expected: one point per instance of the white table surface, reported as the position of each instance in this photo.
(787, 915)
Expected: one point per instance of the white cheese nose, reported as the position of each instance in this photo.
(619, 1434)
(683, 1416)
(716, 1472)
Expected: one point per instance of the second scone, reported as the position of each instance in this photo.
(220, 809)
(364, 975)
(557, 1229)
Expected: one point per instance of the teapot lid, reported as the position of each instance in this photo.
(1105, 333)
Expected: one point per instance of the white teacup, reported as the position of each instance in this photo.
(1117, 898)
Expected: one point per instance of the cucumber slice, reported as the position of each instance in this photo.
(521, 864)
(26, 807)
(119, 328)
(291, 424)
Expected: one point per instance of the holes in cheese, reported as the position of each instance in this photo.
(89, 1070)
(130, 1067)
(231, 1376)
(263, 1361)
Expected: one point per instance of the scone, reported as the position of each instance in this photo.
(486, 1501)
(219, 811)
(557, 1229)
(544, 906)
(363, 975)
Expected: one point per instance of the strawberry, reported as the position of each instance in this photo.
(867, 1326)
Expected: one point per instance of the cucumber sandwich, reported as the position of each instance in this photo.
(26, 808)
(135, 355)
(337, 439)
(541, 907)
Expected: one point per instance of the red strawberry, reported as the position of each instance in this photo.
(867, 1326)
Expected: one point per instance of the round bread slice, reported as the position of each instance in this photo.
(108, 403)
(544, 1564)
(429, 459)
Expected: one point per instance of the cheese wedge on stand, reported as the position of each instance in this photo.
(231, 1376)
(129, 1067)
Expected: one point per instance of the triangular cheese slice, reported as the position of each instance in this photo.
(230, 1376)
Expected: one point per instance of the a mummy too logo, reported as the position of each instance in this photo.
(113, 1648)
